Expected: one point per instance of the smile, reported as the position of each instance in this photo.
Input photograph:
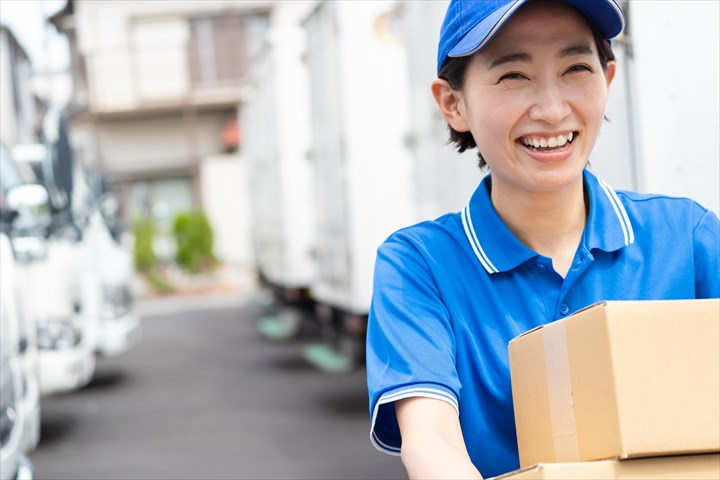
(545, 144)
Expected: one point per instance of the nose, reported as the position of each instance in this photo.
(549, 105)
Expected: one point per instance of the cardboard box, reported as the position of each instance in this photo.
(682, 467)
(619, 380)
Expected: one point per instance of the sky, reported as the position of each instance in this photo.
(26, 18)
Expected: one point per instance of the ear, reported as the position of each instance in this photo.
(450, 103)
(610, 72)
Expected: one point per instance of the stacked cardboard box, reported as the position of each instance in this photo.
(619, 381)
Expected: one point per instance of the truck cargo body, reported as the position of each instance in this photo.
(276, 123)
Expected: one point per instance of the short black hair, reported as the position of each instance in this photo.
(454, 70)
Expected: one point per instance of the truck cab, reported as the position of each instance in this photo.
(21, 207)
(65, 359)
(84, 245)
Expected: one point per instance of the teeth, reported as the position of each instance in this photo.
(551, 142)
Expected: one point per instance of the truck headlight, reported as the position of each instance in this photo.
(29, 248)
(56, 333)
(117, 301)
(8, 413)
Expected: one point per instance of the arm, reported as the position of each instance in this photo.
(432, 445)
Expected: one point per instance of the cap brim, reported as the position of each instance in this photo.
(605, 14)
(481, 34)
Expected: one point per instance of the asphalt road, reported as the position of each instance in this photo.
(204, 397)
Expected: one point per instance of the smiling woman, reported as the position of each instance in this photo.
(526, 83)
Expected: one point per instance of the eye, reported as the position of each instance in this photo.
(580, 67)
(512, 76)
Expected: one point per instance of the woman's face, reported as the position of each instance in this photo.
(534, 99)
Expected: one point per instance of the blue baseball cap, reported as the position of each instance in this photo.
(470, 24)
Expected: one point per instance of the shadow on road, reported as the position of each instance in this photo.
(58, 427)
(106, 379)
(290, 364)
(352, 403)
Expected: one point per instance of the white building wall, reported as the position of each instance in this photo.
(157, 142)
(225, 201)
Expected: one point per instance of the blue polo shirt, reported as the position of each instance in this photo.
(450, 294)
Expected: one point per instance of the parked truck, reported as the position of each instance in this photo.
(64, 355)
(85, 255)
(22, 215)
(362, 164)
(381, 159)
(276, 132)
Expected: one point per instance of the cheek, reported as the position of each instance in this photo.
(592, 100)
(495, 114)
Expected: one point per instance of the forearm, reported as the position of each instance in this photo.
(437, 458)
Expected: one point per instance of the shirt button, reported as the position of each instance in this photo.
(540, 267)
(564, 309)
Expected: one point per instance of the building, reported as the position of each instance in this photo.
(19, 107)
(157, 87)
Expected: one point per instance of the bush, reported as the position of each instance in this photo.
(194, 239)
(144, 230)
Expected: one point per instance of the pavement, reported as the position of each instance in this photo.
(228, 286)
(203, 395)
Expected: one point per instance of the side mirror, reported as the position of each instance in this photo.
(31, 202)
(109, 207)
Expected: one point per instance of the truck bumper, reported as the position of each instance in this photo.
(119, 335)
(65, 370)
(25, 469)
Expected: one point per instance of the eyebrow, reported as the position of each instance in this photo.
(524, 57)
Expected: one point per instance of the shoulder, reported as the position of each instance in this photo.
(425, 236)
(671, 210)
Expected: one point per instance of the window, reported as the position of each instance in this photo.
(220, 48)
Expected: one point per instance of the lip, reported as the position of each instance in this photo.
(557, 155)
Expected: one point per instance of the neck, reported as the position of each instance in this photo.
(549, 223)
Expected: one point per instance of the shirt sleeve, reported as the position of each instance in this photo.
(706, 238)
(410, 342)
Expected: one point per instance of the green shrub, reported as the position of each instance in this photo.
(159, 283)
(194, 239)
(144, 230)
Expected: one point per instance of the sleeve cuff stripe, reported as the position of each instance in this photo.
(383, 447)
(419, 392)
(398, 395)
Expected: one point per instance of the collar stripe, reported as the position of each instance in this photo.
(474, 243)
(620, 212)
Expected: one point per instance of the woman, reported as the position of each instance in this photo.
(527, 84)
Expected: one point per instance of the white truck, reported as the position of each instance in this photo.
(65, 359)
(379, 150)
(14, 464)
(662, 133)
(276, 132)
(22, 214)
(85, 279)
(92, 266)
